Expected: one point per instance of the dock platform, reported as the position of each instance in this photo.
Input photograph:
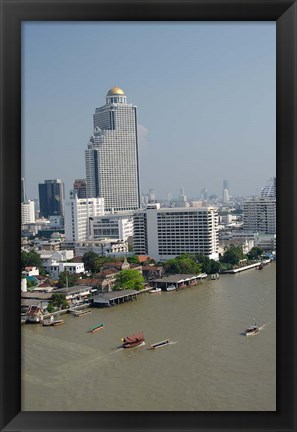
(114, 298)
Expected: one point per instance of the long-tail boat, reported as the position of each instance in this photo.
(95, 328)
(159, 344)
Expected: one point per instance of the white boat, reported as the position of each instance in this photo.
(155, 290)
(252, 330)
(170, 288)
(52, 322)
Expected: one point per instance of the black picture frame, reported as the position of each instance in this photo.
(284, 13)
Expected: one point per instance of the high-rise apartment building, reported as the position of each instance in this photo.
(269, 191)
(164, 233)
(259, 215)
(51, 198)
(28, 212)
(78, 215)
(112, 168)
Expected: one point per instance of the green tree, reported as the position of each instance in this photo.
(32, 259)
(133, 259)
(208, 265)
(67, 278)
(205, 263)
(91, 262)
(255, 253)
(232, 255)
(31, 283)
(129, 279)
(185, 263)
(59, 300)
(215, 266)
(50, 307)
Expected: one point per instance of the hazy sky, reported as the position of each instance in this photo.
(205, 94)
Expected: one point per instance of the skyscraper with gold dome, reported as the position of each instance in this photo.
(112, 168)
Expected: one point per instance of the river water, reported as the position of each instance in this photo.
(210, 366)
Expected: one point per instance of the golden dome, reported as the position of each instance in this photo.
(115, 91)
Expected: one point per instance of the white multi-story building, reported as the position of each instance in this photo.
(56, 268)
(78, 215)
(259, 215)
(49, 257)
(112, 168)
(112, 226)
(28, 212)
(106, 247)
(164, 233)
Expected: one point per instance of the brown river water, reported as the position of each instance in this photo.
(210, 366)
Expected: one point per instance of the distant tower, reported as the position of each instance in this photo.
(269, 191)
(225, 194)
(80, 186)
(152, 195)
(23, 194)
(182, 199)
(51, 198)
(204, 194)
(112, 168)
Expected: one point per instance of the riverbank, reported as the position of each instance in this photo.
(247, 267)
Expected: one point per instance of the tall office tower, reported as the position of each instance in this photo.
(204, 194)
(259, 215)
(51, 198)
(80, 186)
(269, 191)
(23, 194)
(164, 233)
(78, 216)
(226, 196)
(225, 188)
(112, 168)
(182, 199)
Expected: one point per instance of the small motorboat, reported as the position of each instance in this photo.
(133, 341)
(52, 322)
(252, 330)
(170, 288)
(155, 290)
(96, 328)
(79, 313)
(159, 344)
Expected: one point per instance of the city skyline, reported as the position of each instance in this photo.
(205, 101)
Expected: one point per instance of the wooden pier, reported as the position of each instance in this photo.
(113, 298)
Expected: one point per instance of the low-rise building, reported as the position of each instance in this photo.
(106, 247)
(56, 268)
(77, 292)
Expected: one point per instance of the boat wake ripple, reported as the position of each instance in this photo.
(264, 325)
